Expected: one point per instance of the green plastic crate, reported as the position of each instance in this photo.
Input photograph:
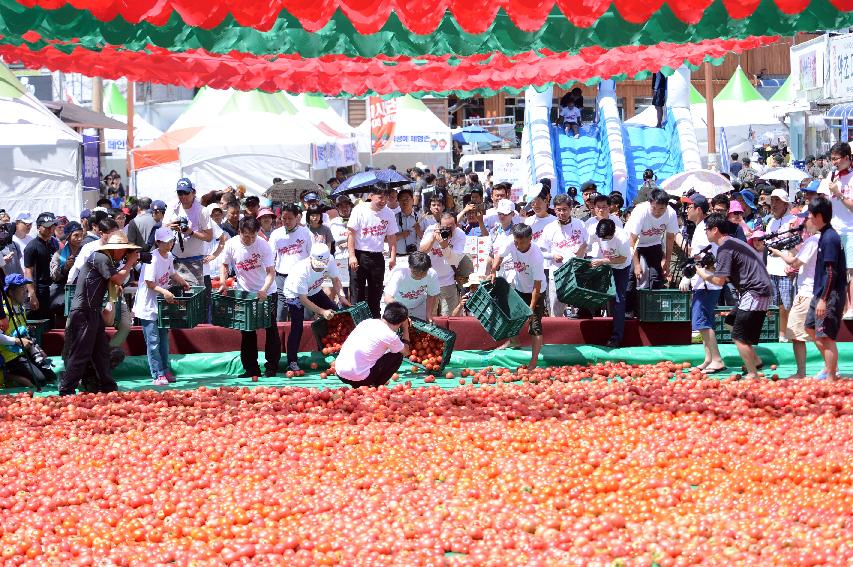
(663, 305)
(769, 330)
(445, 335)
(69, 297)
(36, 328)
(189, 311)
(242, 311)
(499, 308)
(580, 285)
(358, 313)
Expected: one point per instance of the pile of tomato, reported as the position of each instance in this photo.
(605, 465)
(338, 329)
(426, 350)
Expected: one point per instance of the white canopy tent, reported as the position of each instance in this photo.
(419, 136)
(40, 157)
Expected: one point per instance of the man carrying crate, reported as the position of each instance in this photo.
(304, 288)
(374, 351)
(525, 271)
(254, 264)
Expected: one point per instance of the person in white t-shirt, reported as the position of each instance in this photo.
(492, 217)
(189, 217)
(805, 261)
(370, 227)
(600, 211)
(303, 289)
(417, 287)
(500, 235)
(614, 249)
(781, 220)
(540, 219)
(445, 244)
(213, 250)
(436, 209)
(291, 242)
(839, 186)
(153, 281)
(338, 226)
(571, 116)
(525, 272)
(706, 295)
(374, 351)
(562, 240)
(254, 265)
(652, 229)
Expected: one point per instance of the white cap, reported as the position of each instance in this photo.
(164, 234)
(212, 207)
(24, 216)
(505, 207)
(781, 193)
(823, 188)
(320, 255)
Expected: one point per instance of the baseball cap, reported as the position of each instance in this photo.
(588, 186)
(158, 206)
(72, 227)
(757, 234)
(735, 207)
(812, 187)
(505, 207)
(164, 234)
(15, 280)
(697, 200)
(25, 217)
(309, 197)
(85, 214)
(184, 186)
(265, 212)
(46, 219)
(212, 207)
(781, 193)
(320, 255)
(802, 215)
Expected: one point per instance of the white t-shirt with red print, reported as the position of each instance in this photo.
(522, 269)
(562, 240)
(250, 263)
(371, 227)
(650, 230)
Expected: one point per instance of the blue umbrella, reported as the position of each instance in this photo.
(475, 135)
(366, 179)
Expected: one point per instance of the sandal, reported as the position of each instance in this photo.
(715, 370)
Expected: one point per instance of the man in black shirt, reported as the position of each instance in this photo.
(830, 286)
(740, 264)
(37, 257)
(86, 332)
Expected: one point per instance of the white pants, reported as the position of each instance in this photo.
(448, 299)
(555, 307)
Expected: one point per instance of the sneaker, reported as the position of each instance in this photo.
(783, 339)
(171, 378)
(270, 373)
(250, 374)
(293, 366)
(160, 381)
(612, 343)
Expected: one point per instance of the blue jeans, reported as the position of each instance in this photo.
(157, 345)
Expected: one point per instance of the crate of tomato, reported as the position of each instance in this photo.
(431, 346)
(769, 330)
(331, 333)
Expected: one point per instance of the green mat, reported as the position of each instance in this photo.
(221, 369)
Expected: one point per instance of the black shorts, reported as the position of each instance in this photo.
(747, 326)
(535, 329)
(830, 324)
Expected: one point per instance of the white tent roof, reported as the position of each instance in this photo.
(39, 155)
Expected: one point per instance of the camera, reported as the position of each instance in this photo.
(411, 248)
(785, 239)
(706, 260)
(183, 224)
(445, 233)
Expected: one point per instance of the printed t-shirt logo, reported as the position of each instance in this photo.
(414, 294)
(251, 263)
(376, 229)
(291, 249)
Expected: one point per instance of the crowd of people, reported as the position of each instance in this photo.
(406, 247)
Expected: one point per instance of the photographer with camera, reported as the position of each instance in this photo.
(744, 267)
(153, 281)
(706, 295)
(192, 226)
(782, 281)
(445, 245)
(805, 261)
(86, 331)
(24, 363)
(407, 221)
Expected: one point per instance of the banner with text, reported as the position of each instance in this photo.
(91, 163)
(383, 119)
(808, 68)
(840, 84)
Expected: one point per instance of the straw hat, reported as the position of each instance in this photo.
(118, 241)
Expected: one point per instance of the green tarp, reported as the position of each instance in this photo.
(221, 369)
